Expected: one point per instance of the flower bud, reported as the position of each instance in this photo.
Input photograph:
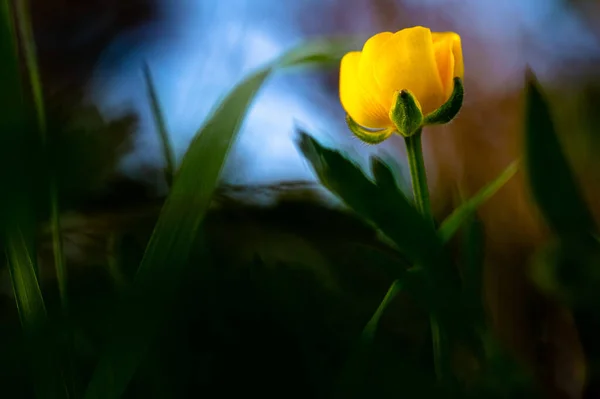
(406, 113)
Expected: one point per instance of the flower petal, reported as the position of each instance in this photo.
(370, 56)
(407, 61)
(455, 44)
(357, 100)
(444, 58)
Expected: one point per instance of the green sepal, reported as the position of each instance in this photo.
(450, 109)
(368, 136)
(406, 113)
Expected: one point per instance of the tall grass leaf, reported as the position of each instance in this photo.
(368, 333)
(357, 363)
(551, 179)
(49, 382)
(29, 54)
(166, 256)
(464, 212)
(11, 96)
(472, 259)
(161, 126)
(319, 52)
(17, 219)
(29, 51)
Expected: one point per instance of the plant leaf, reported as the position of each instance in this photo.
(18, 162)
(460, 215)
(357, 362)
(390, 211)
(368, 334)
(156, 282)
(384, 177)
(551, 179)
(161, 126)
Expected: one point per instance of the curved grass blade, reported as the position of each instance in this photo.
(356, 363)
(159, 274)
(30, 57)
(551, 179)
(463, 213)
(368, 333)
(17, 217)
(32, 313)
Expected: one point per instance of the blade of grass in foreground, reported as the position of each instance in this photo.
(17, 215)
(466, 211)
(357, 361)
(32, 313)
(551, 178)
(156, 282)
(29, 51)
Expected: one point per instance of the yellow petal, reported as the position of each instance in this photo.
(370, 55)
(407, 61)
(444, 58)
(453, 40)
(357, 100)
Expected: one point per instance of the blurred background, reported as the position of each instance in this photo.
(201, 49)
(91, 56)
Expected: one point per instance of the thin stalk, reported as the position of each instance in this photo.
(29, 52)
(23, 22)
(113, 263)
(418, 176)
(57, 246)
(161, 126)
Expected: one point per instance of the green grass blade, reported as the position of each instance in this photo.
(472, 258)
(11, 111)
(466, 211)
(17, 221)
(32, 313)
(161, 126)
(319, 52)
(29, 51)
(355, 364)
(28, 296)
(368, 333)
(552, 181)
(156, 283)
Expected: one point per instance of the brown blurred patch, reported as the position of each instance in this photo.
(71, 35)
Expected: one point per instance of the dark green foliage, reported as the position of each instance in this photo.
(202, 295)
(569, 266)
(551, 179)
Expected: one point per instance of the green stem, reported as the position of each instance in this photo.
(436, 338)
(57, 246)
(418, 176)
(161, 126)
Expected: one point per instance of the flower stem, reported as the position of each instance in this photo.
(418, 176)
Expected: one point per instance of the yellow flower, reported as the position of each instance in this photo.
(413, 59)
